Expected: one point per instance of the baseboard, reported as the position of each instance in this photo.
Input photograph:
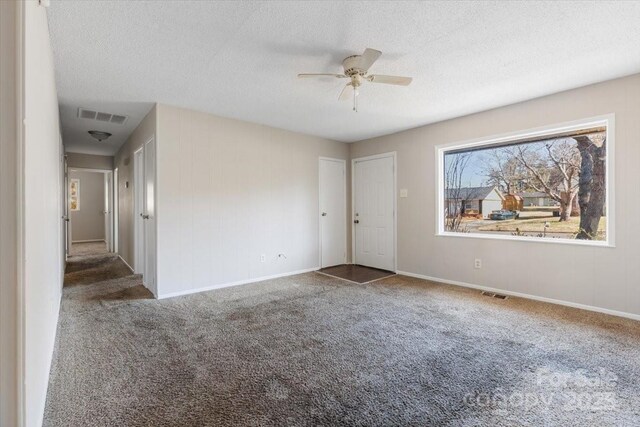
(239, 282)
(50, 354)
(127, 264)
(523, 295)
(88, 241)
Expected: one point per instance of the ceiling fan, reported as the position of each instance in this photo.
(356, 68)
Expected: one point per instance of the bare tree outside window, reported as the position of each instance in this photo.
(455, 166)
(551, 187)
(551, 167)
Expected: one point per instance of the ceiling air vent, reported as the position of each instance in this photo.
(117, 119)
(103, 117)
(86, 114)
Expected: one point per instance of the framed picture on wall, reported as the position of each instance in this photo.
(74, 194)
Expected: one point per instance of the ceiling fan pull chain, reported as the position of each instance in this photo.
(355, 100)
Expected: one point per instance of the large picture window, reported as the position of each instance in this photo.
(551, 185)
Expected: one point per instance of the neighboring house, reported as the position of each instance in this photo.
(473, 200)
(537, 198)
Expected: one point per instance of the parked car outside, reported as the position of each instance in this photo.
(503, 214)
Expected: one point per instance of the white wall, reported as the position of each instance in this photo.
(124, 162)
(605, 278)
(8, 215)
(89, 161)
(229, 191)
(88, 222)
(42, 210)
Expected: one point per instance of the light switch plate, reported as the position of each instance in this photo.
(404, 192)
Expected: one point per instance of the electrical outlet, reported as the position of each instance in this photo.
(477, 263)
(263, 258)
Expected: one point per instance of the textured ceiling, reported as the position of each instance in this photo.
(240, 59)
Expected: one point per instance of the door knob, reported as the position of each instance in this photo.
(356, 221)
(145, 216)
(324, 214)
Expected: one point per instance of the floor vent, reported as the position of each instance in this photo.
(491, 294)
(117, 119)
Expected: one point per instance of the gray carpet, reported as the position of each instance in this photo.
(88, 248)
(312, 350)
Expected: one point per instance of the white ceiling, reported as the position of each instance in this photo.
(240, 59)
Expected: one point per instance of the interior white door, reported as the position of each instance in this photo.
(333, 213)
(108, 210)
(138, 211)
(149, 277)
(116, 210)
(65, 216)
(374, 216)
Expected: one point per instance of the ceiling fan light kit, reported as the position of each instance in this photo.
(356, 68)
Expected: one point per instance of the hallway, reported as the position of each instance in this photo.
(89, 248)
(94, 280)
(103, 272)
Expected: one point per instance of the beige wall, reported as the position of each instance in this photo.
(89, 161)
(43, 255)
(124, 162)
(88, 222)
(8, 215)
(606, 278)
(229, 191)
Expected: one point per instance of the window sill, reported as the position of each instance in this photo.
(551, 241)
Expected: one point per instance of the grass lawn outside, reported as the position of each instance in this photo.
(536, 225)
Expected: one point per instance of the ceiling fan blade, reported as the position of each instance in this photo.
(368, 58)
(307, 75)
(390, 80)
(347, 92)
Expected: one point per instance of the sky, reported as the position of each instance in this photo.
(474, 175)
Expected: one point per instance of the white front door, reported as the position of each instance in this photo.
(149, 277)
(333, 213)
(138, 211)
(374, 216)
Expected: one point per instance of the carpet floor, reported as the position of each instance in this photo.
(311, 350)
(88, 248)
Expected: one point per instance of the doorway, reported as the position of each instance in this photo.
(89, 204)
(66, 213)
(108, 210)
(116, 211)
(333, 212)
(138, 201)
(144, 172)
(374, 211)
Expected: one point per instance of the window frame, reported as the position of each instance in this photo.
(607, 120)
